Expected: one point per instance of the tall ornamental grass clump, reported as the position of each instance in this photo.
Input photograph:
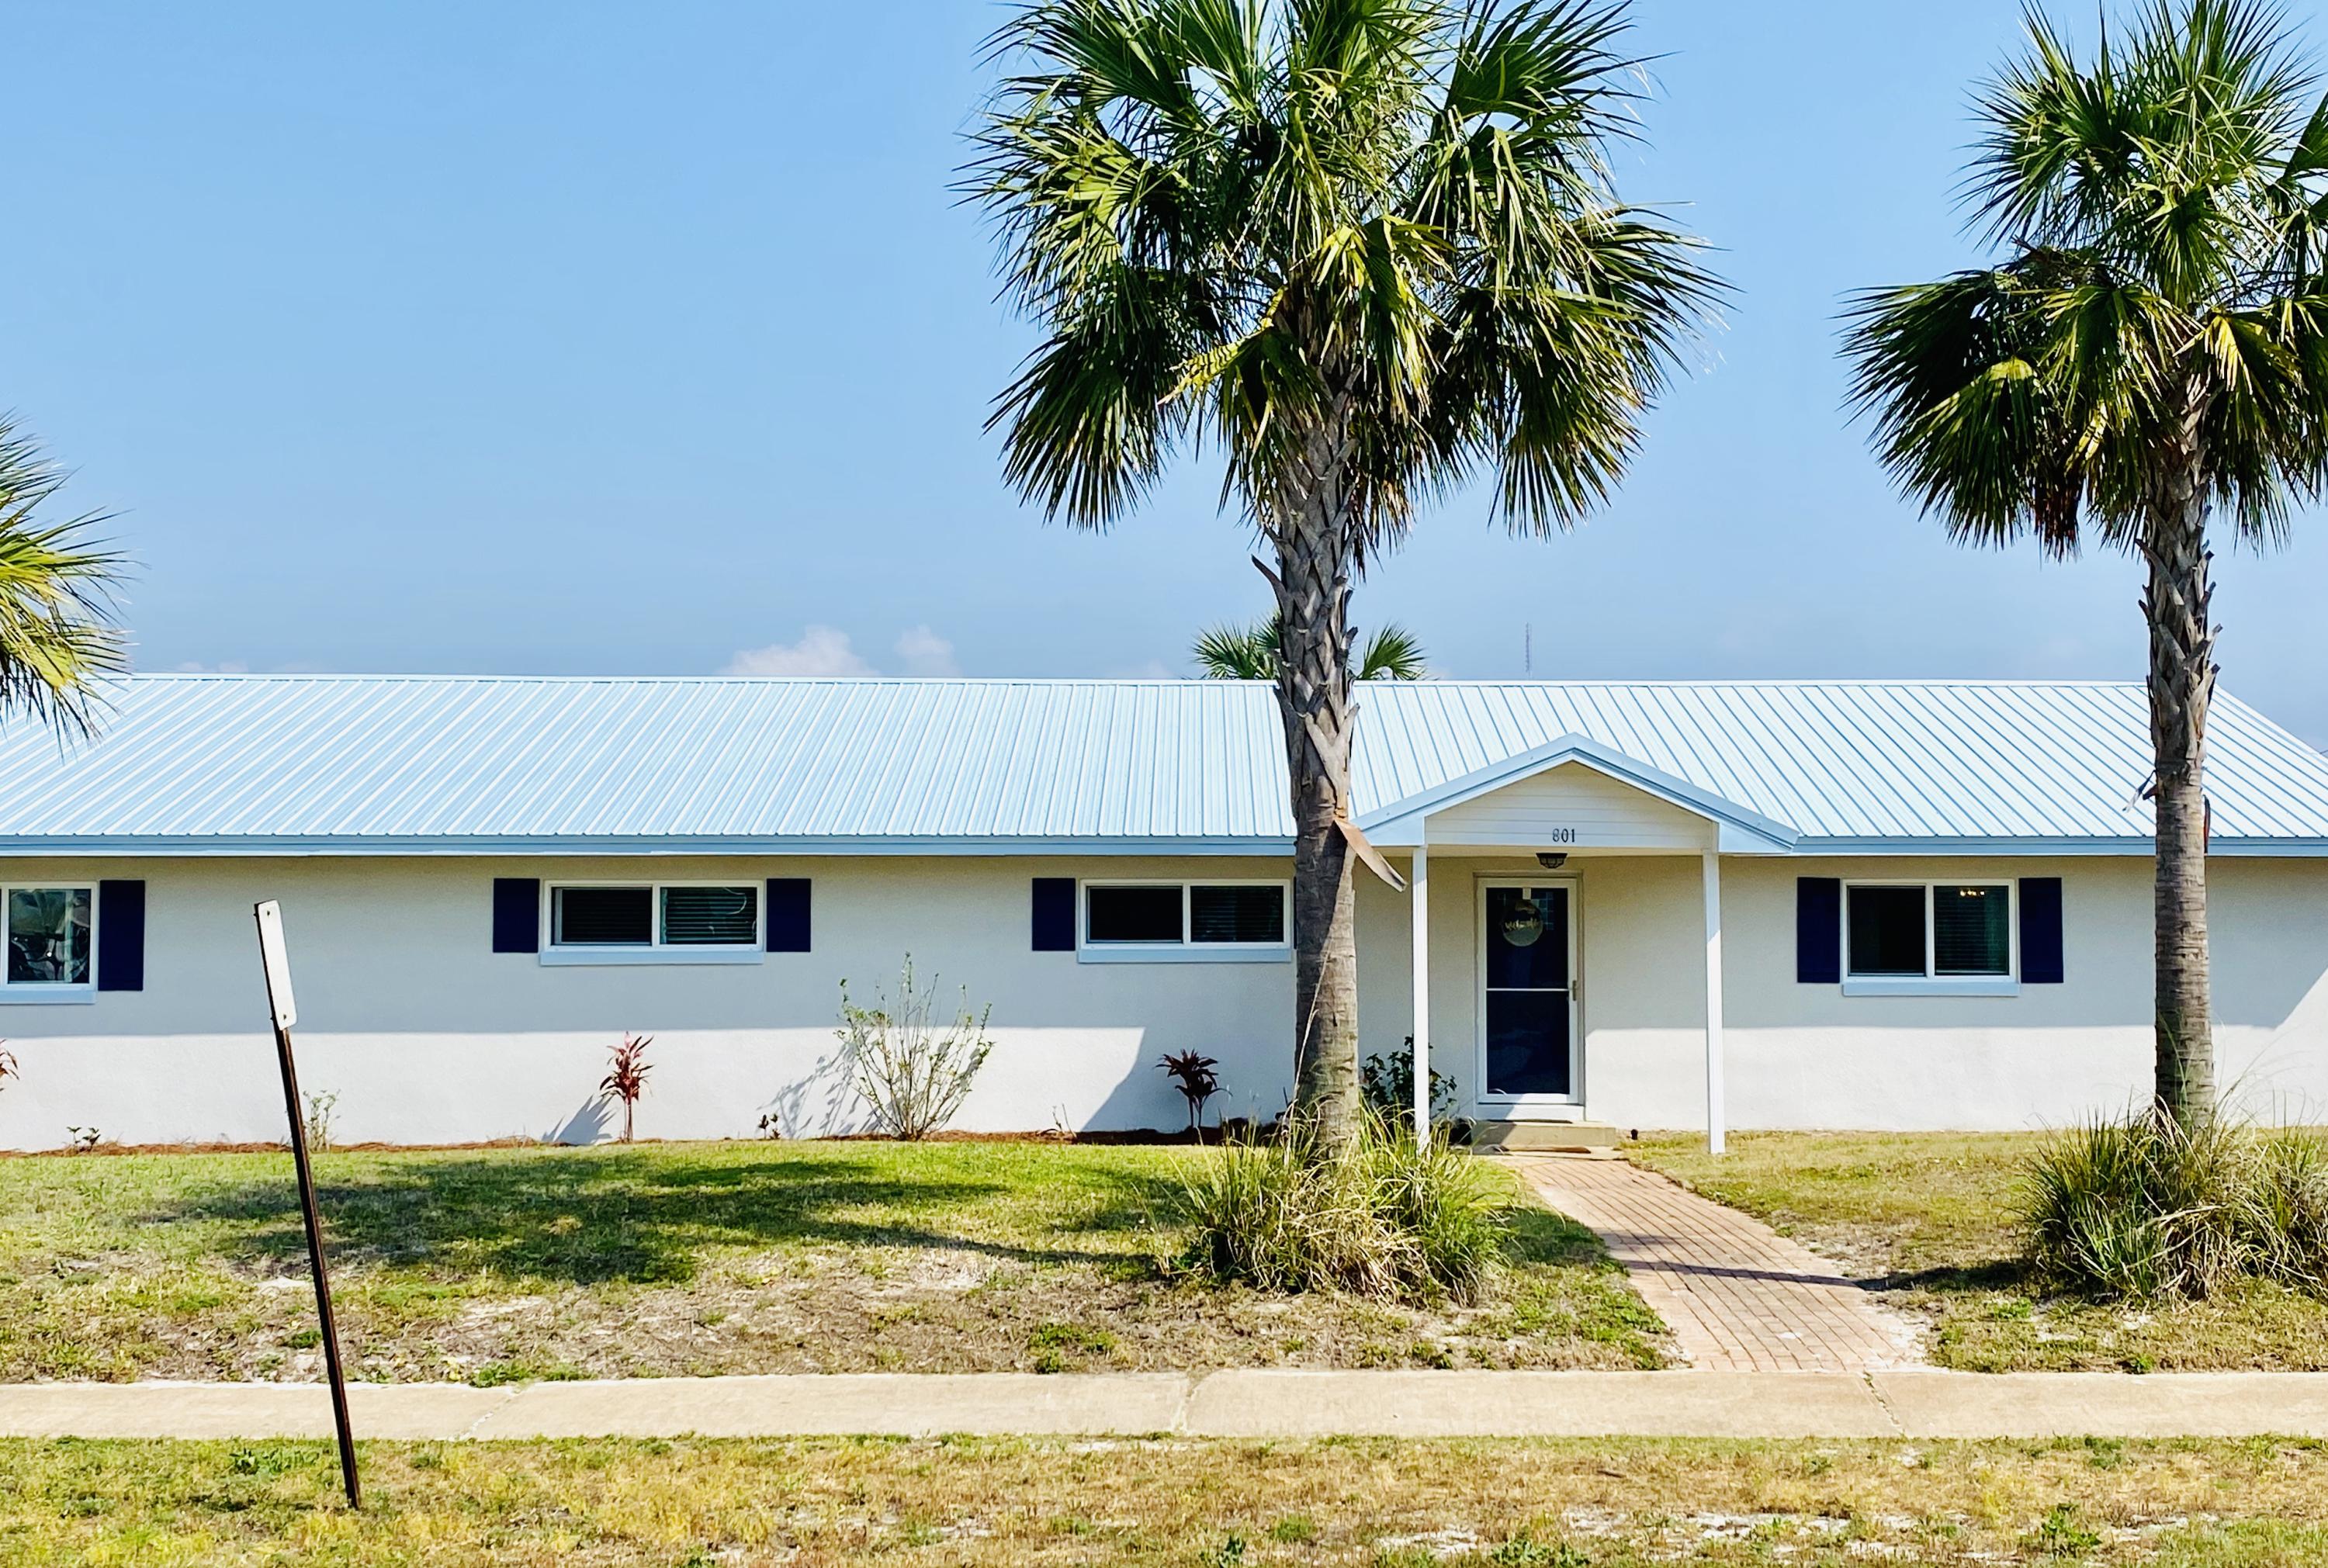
(1384, 1216)
(2285, 1209)
(2140, 1205)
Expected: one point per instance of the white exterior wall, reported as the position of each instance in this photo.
(1808, 1057)
(427, 1036)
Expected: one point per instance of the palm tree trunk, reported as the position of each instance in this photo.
(1316, 559)
(2182, 680)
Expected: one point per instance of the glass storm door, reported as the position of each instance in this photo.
(1527, 1003)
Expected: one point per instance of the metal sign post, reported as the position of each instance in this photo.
(276, 960)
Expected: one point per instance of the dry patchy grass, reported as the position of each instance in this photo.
(1927, 1219)
(702, 1258)
(1391, 1505)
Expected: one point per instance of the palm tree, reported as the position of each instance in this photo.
(2150, 349)
(1367, 249)
(55, 637)
(1231, 652)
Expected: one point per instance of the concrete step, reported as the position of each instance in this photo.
(1547, 1137)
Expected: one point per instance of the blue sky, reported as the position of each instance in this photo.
(621, 338)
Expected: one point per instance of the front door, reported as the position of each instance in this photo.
(1527, 1001)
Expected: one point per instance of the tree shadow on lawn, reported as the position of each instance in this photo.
(1537, 1234)
(603, 1219)
(2007, 1275)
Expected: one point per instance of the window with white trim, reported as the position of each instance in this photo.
(51, 934)
(653, 916)
(1187, 919)
(1940, 931)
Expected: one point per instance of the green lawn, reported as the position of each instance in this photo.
(1926, 1219)
(702, 1258)
(1391, 1504)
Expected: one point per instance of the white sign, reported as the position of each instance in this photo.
(278, 960)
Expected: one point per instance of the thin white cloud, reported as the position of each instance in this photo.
(822, 651)
(230, 667)
(827, 651)
(925, 652)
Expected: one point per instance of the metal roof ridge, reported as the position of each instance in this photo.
(1199, 682)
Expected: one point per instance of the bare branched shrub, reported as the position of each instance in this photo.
(322, 1107)
(912, 1074)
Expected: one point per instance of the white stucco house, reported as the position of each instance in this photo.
(1867, 905)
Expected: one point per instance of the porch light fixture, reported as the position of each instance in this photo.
(1524, 925)
(1551, 859)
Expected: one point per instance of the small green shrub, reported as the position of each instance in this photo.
(2061, 1534)
(1228, 1554)
(1054, 1343)
(2136, 1205)
(1525, 1551)
(1386, 1084)
(1388, 1217)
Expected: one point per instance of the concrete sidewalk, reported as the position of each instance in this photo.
(1230, 1404)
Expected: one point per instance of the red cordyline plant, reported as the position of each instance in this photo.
(8, 1068)
(1192, 1074)
(627, 1080)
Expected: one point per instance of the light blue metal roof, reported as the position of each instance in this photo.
(241, 763)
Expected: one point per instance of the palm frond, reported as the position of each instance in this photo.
(57, 640)
(1260, 218)
(1233, 653)
(1546, 380)
(2167, 205)
(1972, 416)
(2160, 155)
(1090, 424)
(1393, 653)
(1251, 652)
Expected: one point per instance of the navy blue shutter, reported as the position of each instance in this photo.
(121, 936)
(1055, 914)
(1818, 930)
(787, 915)
(517, 914)
(2040, 930)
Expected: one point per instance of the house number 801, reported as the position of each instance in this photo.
(1561, 836)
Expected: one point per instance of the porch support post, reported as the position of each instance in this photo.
(1715, 1138)
(1419, 883)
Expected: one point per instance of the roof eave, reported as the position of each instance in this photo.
(260, 846)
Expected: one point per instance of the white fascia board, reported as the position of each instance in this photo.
(2270, 849)
(259, 845)
(1399, 831)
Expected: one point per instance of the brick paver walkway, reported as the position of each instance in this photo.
(1738, 1296)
